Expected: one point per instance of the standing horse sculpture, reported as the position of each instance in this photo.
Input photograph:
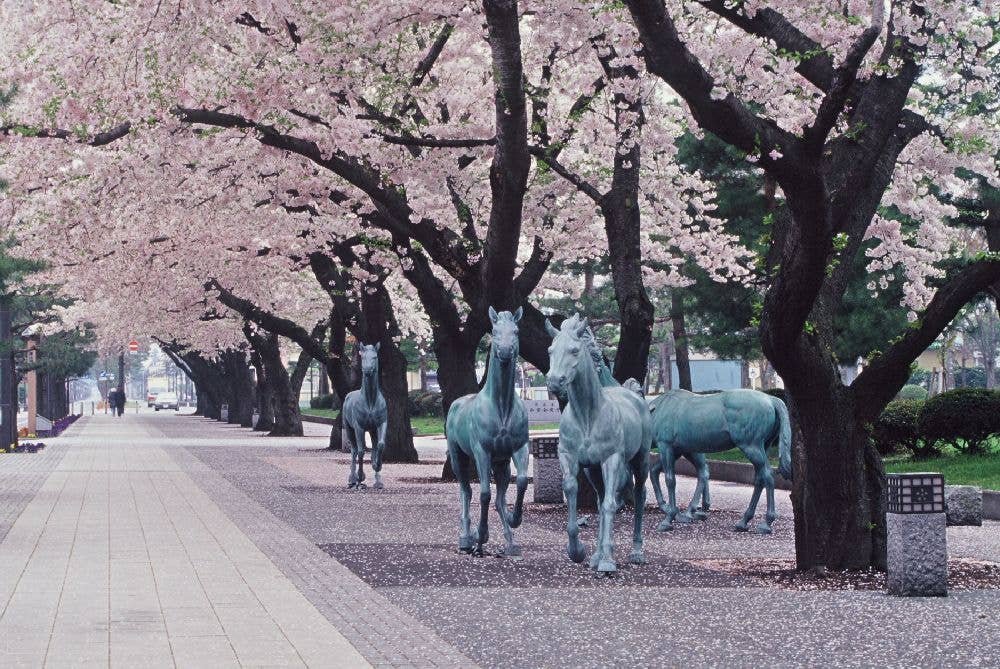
(604, 430)
(364, 411)
(490, 428)
(690, 425)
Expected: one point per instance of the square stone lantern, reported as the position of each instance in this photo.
(916, 529)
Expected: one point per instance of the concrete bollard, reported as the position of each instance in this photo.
(916, 529)
(224, 413)
(545, 470)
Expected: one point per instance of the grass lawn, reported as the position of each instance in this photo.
(423, 426)
(958, 468)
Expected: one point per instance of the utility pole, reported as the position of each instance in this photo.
(8, 420)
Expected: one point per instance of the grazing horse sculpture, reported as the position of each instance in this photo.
(690, 425)
(490, 428)
(364, 411)
(605, 430)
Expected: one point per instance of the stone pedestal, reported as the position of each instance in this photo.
(545, 470)
(963, 505)
(917, 554)
(224, 413)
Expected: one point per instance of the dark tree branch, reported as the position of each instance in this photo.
(887, 372)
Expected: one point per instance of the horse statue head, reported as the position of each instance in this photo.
(570, 344)
(369, 360)
(504, 343)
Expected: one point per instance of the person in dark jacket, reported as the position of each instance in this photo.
(120, 401)
(113, 401)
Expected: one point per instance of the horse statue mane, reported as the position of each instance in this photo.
(603, 371)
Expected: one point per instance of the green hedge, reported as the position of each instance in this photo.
(964, 419)
(425, 403)
(896, 429)
(327, 401)
(911, 392)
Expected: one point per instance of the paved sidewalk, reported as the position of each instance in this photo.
(120, 559)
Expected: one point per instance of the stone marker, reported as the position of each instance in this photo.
(963, 504)
(916, 536)
(545, 470)
(224, 413)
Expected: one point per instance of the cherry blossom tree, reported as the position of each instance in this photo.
(850, 108)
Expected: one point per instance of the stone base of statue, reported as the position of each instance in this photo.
(917, 554)
(546, 473)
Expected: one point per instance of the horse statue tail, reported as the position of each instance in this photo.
(784, 438)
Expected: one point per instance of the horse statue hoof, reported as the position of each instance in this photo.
(584, 521)
(762, 529)
(607, 567)
(700, 515)
(361, 486)
(478, 551)
(378, 485)
(684, 518)
(513, 551)
(577, 553)
(595, 560)
(465, 543)
(637, 558)
(664, 509)
(740, 527)
(665, 525)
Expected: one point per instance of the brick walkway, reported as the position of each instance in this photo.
(162, 539)
(120, 559)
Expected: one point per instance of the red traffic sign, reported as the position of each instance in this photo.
(133, 346)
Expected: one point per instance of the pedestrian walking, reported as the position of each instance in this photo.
(112, 402)
(120, 401)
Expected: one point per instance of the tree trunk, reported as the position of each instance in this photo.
(680, 340)
(285, 418)
(399, 435)
(457, 378)
(837, 496)
(240, 388)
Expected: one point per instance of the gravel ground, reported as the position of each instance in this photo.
(546, 611)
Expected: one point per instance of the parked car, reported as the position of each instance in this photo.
(166, 401)
(150, 399)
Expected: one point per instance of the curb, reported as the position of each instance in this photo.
(323, 420)
(742, 472)
(733, 472)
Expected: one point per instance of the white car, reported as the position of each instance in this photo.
(166, 401)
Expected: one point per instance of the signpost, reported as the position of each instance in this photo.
(542, 411)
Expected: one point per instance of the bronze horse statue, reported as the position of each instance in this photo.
(364, 411)
(490, 428)
(691, 425)
(606, 431)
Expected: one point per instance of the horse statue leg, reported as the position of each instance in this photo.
(701, 467)
(352, 478)
(521, 464)
(377, 456)
(640, 470)
(762, 477)
(610, 468)
(668, 461)
(570, 469)
(596, 479)
(654, 476)
(482, 534)
(460, 465)
(501, 472)
(358, 454)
